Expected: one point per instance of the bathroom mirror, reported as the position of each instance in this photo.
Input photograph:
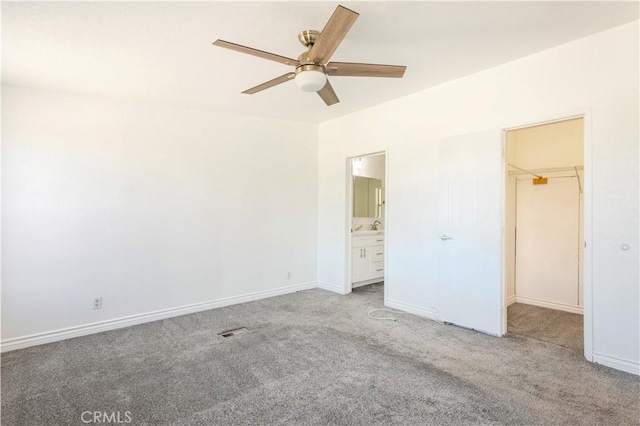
(367, 197)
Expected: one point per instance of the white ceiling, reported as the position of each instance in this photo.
(161, 52)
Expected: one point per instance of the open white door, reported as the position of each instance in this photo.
(471, 179)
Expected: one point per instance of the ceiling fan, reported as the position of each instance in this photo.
(313, 66)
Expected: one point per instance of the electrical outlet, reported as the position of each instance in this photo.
(97, 303)
(288, 275)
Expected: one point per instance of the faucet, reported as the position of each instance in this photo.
(374, 225)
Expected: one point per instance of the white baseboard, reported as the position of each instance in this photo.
(551, 305)
(367, 282)
(97, 327)
(617, 363)
(511, 300)
(431, 314)
(331, 287)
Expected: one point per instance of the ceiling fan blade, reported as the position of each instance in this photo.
(328, 95)
(329, 39)
(278, 80)
(256, 52)
(349, 69)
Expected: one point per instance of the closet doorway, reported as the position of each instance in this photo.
(544, 232)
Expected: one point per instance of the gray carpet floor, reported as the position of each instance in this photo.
(312, 358)
(549, 325)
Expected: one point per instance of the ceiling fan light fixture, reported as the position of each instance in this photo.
(311, 80)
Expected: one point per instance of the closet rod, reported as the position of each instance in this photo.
(535, 172)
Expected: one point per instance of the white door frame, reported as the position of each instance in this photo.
(587, 191)
(349, 218)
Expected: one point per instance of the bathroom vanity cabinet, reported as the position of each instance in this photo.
(367, 257)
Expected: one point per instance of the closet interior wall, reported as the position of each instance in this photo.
(544, 223)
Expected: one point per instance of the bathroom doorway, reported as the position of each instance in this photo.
(544, 232)
(367, 183)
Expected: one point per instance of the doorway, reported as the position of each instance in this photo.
(367, 223)
(544, 232)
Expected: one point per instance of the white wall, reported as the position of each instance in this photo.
(599, 72)
(547, 253)
(150, 207)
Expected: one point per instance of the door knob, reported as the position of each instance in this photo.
(445, 237)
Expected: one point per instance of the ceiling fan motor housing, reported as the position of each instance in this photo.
(310, 76)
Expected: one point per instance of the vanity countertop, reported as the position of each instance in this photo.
(363, 233)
